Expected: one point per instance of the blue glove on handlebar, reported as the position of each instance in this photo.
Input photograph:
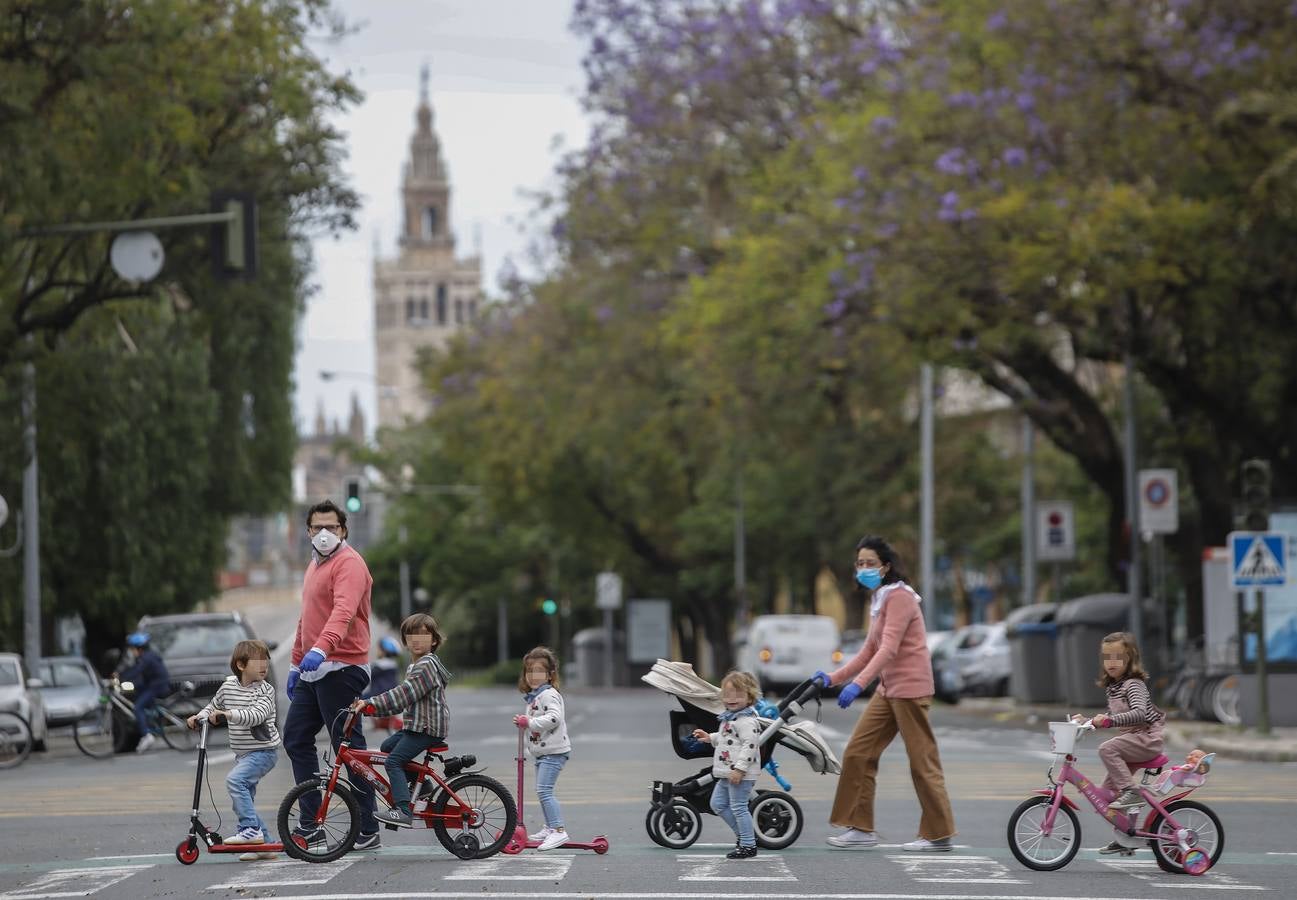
(849, 693)
(821, 679)
(293, 675)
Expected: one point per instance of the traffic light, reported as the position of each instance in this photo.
(549, 606)
(1256, 495)
(353, 502)
(234, 242)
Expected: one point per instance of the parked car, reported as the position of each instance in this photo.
(981, 656)
(70, 687)
(945, 676)
(196, 648)
(21, 694)
(783, 650)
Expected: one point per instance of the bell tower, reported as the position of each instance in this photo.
(425, 187)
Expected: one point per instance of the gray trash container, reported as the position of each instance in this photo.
(1083, 623)
(591, 659)
(1032, 652)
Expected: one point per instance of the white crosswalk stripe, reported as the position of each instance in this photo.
(549, 866)
(1147, 870)
(941, 868)
(715, 867)
(279, 873)
(73, 882)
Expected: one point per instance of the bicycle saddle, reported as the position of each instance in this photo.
(1156, 762)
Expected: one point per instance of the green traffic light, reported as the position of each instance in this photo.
(353, 504)
(549, 607)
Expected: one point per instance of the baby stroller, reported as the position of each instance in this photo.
(675, 817)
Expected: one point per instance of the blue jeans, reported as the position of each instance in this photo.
(547, 769)
(730, 802)
(400, 749)
(144, 718)
(314, 705)
(249, 768)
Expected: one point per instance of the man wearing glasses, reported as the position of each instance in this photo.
(330, 662)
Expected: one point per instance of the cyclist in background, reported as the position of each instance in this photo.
(148, 673)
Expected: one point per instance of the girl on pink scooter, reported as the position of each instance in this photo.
(547, 741)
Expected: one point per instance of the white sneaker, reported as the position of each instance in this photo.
(146, 743)
(854, 839)
(541, 835)
(923, 845)
(555, 839)
(249, 835)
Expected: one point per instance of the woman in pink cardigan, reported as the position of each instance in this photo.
(896, 653)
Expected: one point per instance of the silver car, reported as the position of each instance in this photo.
(21, 695)
(70, 688)
(981, 655)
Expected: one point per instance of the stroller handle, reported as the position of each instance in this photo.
(799, 696)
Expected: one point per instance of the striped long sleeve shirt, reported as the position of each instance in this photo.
(420, 699)
(1141, 710)
(250, 711)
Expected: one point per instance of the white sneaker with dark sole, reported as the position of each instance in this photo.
(923, 845)
(555, 839)
(853, 839)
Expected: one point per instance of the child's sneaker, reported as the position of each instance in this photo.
(251, 857)
(555, 839)
(368, 842)
(1129, 799)
(742, 853)
(398, 817)
(541, 835)
(1114, 848)
(249, 835)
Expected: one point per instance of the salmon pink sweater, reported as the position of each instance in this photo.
(335, 609)
(896, 649)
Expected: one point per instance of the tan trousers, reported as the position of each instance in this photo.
(853, 805)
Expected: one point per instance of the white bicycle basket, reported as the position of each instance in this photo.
(1062, 736)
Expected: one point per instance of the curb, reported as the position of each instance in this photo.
(1179, 734)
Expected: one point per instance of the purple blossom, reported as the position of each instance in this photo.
(1025, 102)
(836, 309)
(860, 173)
(887, 230)
(949, 211)
(1015, 156)
(962, 99)
(883, 123)
(997, 20)
(837, 278)
(829, 89)
(954, 162)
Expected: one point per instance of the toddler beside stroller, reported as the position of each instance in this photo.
(675, 817)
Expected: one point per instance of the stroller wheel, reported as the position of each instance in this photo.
(777, 819)
(676, 826)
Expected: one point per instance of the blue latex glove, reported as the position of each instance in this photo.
(293, 675)
(311, 661)
(822, 679)
(849, 693)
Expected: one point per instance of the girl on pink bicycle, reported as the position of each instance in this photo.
(1130, 708)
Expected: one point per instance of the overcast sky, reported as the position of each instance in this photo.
(505, 80)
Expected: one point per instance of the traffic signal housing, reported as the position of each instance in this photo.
(353, 503)
(1256, 495)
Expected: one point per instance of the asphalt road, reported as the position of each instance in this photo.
(74, 826)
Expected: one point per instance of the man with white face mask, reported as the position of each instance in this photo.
(330, 661)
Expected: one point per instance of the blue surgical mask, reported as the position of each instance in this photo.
(869, 578)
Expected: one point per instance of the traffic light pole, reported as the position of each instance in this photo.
(1263, 689)
(31, 525)
(405, 575)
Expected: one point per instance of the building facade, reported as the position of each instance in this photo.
(425, 294)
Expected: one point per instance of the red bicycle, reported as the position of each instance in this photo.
(472, 814)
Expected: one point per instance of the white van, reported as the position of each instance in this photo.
(785, 650)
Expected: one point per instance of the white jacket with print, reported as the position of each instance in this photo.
(546, 727)
(736, 748)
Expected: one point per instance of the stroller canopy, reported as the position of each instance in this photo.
(681, 681)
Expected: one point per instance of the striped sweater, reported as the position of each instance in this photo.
(420, 699)
(1141, 712)
(250, 711)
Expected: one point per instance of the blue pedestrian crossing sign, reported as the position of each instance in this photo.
(1258, 559)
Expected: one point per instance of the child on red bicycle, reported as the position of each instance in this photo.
(422, 698)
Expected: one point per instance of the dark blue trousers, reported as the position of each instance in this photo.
(316, 704)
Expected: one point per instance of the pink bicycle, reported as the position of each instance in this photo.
(1185, 836)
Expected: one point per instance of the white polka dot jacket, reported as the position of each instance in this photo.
(546, 727)
(736, 747)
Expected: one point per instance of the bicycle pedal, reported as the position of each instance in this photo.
(391, 827)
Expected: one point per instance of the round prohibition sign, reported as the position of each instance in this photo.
(1157, 492)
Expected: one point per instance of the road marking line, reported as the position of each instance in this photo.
(48, 885)
(961, 869)
(132, 856)
(282, 873)
(535, 867)
(679, 895)
(707, 868)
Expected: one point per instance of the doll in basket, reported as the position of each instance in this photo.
(1191, 774)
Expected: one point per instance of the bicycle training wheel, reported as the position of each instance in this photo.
(488, 814)
(1206, 838)
(312, 838)
(1035, 849)
(93, 732)
(175, 732)
(15, 740)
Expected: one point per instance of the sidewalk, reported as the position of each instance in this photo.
(1227, 740)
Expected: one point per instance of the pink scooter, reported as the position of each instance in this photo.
(520, 841)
